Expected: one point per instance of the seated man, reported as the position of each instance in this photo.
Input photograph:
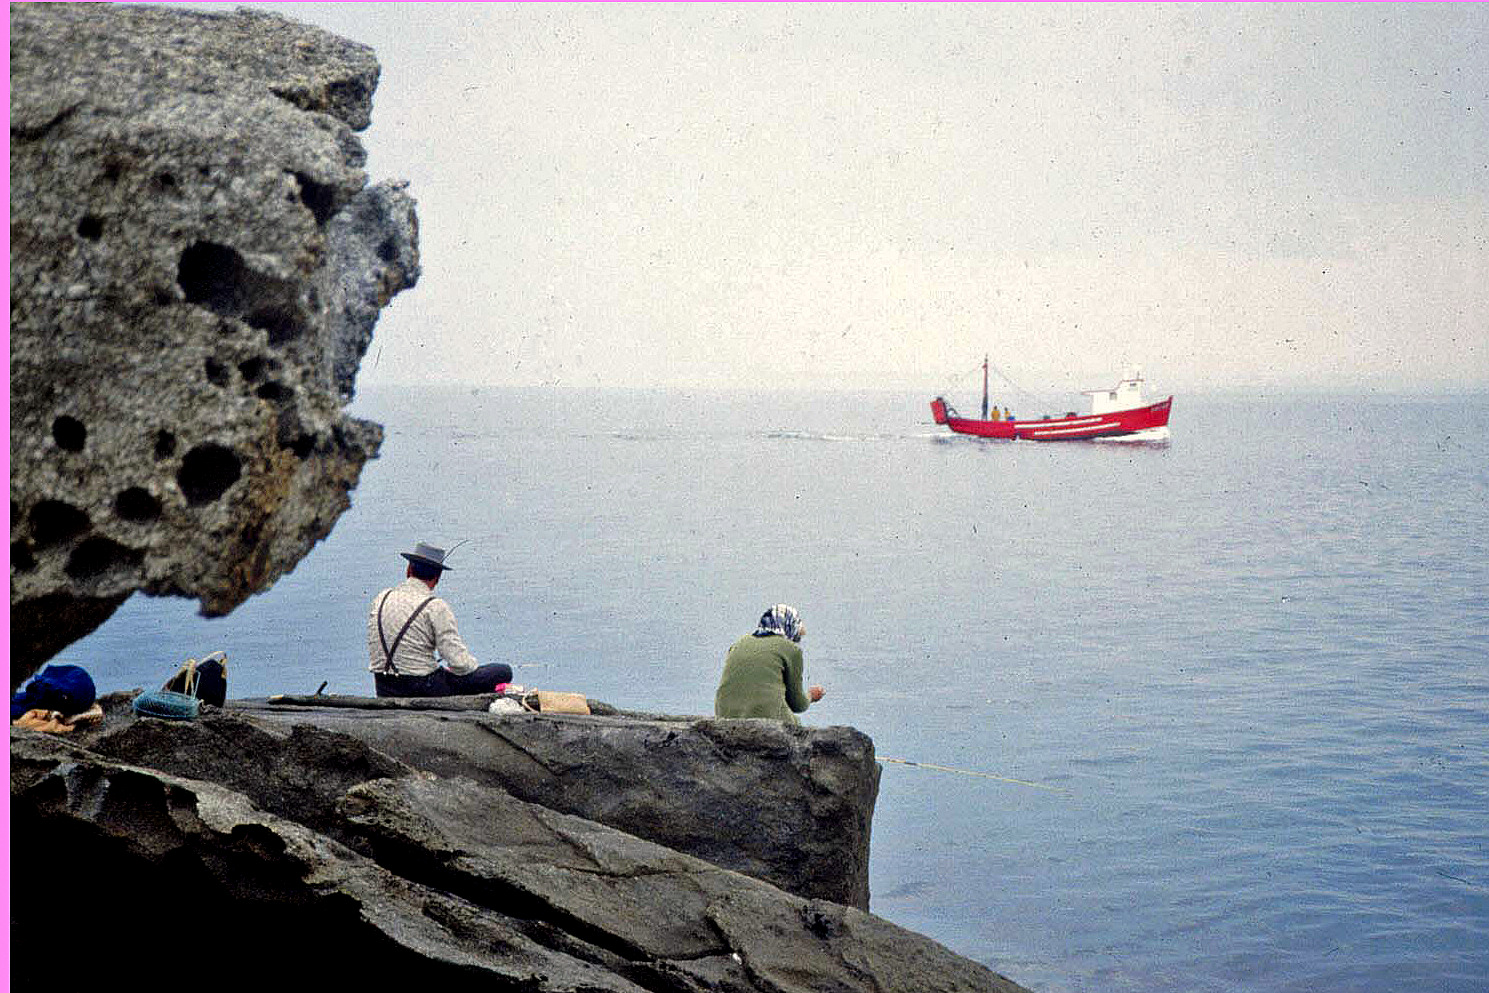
(408, 624)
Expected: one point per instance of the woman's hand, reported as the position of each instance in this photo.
(815, 693)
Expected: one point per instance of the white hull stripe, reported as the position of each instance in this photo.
(1095, 425)
(1065, 422)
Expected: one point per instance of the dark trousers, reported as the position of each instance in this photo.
(442, 682)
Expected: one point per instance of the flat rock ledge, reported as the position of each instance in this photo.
(273, 848)
(790, 805)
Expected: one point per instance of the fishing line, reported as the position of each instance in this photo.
(479, 537)
(973, 772)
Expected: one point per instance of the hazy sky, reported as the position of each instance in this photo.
(866, 196)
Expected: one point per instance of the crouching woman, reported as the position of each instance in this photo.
(763, 671)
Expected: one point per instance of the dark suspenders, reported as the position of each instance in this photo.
(393, 669)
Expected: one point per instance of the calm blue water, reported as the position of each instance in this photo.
(1255, 660)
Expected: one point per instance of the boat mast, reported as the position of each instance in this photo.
(984, 386)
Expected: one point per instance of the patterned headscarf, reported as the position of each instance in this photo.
(781, 620)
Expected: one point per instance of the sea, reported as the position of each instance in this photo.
(1205, 715)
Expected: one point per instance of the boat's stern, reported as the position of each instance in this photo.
(938, 410)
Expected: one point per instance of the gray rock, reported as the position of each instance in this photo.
(136, 872)
(197, 263)
(299, 772)
(666, 920)
(787, 804)
(460, 884)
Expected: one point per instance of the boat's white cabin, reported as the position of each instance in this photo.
(1125, 396)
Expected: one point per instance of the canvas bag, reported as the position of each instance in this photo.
(206, 680)
(556, 702)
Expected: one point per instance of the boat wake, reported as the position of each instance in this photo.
(825, 436)
(1150, 436)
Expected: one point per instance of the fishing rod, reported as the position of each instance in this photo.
(479, 537)
(973, 772)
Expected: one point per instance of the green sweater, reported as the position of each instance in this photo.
(762, 678)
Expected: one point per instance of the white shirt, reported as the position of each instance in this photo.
(434, 629)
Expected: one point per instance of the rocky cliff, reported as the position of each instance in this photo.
(274, 850)
(788, 805)
(197, 261)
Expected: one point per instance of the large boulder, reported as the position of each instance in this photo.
(791, 805)
(197, 263)
(157, 873)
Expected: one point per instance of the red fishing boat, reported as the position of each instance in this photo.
(1116, 414)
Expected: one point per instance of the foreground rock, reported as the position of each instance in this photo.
(789, 805)
(316, 859)
(197, 262)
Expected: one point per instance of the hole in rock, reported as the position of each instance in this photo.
(55, 521)
(319, 198)
(251, 369)
(69, 433)
(273, 392)
(136, 504)
(90, 227)
(206, 473)
(218, 278)
(165, 444)
(291, 434)
(282, 324)
(387, 251)
(216, 373)
(97, 556)
(21, 558)
(212, 275)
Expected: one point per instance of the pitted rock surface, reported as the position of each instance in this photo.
(197, 263)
